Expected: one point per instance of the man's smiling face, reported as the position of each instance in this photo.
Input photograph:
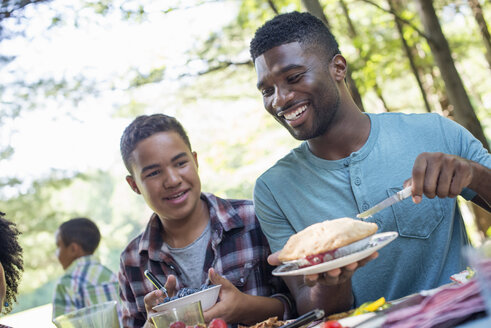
(298, 89)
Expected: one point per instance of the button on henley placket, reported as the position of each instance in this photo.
(356, 183)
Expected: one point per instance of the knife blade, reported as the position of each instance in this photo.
(400, 195)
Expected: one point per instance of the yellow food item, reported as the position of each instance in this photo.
(371, 306)
(375, 305)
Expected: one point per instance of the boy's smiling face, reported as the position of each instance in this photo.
(165, 173)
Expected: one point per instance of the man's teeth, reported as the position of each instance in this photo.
(296, 113)
(177, 195)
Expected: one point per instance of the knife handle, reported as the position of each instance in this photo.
(308, 317)
(156, 282)
(405, 193)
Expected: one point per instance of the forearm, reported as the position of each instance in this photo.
(481, 180)
(259, 308)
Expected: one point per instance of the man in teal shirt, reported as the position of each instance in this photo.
(350, 161)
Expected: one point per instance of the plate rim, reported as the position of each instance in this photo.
(339, 262)
(178, 301)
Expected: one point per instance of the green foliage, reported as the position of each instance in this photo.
(41, 295)
(154, 76)
(6, 152)
(42, 208)
(99, 7)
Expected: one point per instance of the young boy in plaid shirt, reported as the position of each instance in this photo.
(86, 281)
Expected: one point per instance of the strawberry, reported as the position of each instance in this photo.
(331, 324)
(217, 323)
(177, 324)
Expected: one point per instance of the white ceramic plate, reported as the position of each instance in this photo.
(208, 298)
(377, 241)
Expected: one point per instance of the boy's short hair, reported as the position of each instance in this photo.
(11, 259)
(81, 231)
(145, 126)
(303, 28)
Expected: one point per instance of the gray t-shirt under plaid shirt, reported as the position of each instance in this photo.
(192, 258)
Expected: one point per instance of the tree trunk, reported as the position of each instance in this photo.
(483, 27)
(314, 7)
(464, 113)
(409, 55)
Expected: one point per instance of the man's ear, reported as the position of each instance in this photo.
(132, 184)
(195, 156)
(339, 67)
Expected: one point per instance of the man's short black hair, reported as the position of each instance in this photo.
(303, 28)
(145, 126)
(81, 231)
(11, 259)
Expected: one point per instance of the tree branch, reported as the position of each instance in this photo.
(399, 18)
(220, 66)
(273, 7)
(6, 11)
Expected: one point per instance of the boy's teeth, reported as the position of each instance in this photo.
(296, 113)
(177, 196)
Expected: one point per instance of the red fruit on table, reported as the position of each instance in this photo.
(177, 324)
(217, 323)
(332, 324)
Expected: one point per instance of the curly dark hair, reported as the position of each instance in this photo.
(303, 28)
(81, 231)
(11, 259)
(145, 126)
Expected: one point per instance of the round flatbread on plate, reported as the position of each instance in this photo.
(376, 242)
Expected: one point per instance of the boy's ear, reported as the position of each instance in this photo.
(132, 183)
(76, 250)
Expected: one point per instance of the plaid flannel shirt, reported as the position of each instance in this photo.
(86, 282)
(237, 250)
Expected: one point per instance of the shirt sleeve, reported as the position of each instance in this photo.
(273, 222)
(131, 317)
(462, 143)
(64, 301)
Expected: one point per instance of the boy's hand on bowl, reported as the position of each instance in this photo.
(152, 299)
(157, 297)
(229, 304)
